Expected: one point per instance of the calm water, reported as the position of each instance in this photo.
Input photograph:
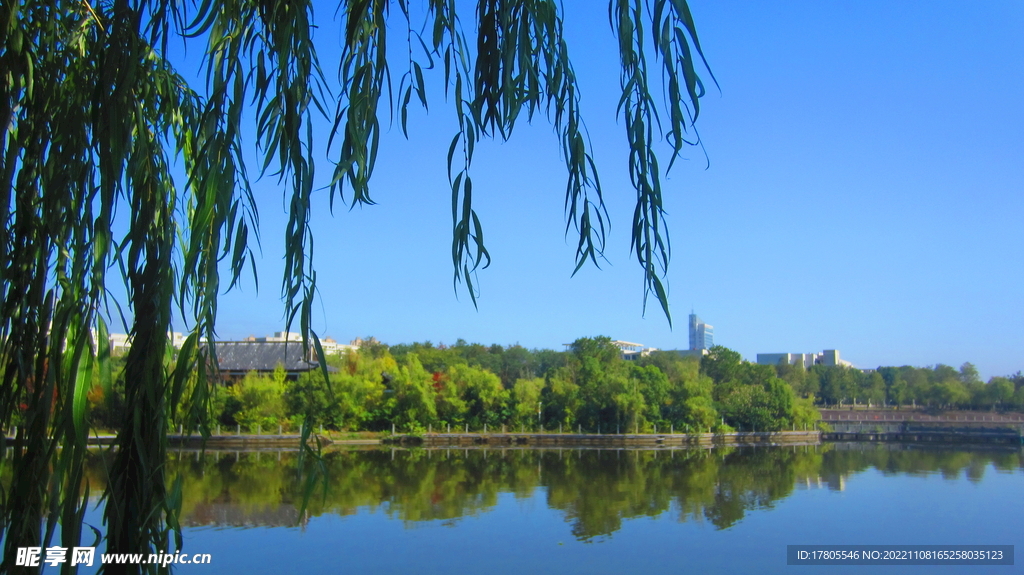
(729, 510)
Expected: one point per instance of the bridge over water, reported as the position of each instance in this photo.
(915, 425)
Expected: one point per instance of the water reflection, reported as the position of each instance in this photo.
(596, 490)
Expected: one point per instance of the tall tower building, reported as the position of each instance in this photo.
(702, 335)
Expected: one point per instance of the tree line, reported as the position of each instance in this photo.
(939, 386)
(589, 387)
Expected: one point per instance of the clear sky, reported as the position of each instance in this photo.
(864, 193)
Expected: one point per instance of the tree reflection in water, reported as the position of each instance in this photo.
(595, 489)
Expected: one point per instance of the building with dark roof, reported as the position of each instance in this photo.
(237, 358)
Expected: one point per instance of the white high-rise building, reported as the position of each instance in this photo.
(702, 335)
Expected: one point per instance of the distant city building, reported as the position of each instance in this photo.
(633, 351)
(120, 343)
(329, 344)
(177, 339)
(831, 357)
(278, 336)
(827, 357)
(804, 359)
(696, 353)
(360, 342)
(630, 351)
(702, 335)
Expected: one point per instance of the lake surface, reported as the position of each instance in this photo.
(615, 511)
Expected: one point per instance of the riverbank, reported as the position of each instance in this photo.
(596, 439)
(238, 441)
(884, 425)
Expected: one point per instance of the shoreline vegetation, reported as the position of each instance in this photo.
(421, 387)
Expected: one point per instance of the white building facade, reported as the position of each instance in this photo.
(828, 357)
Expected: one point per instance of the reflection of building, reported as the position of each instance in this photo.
(834, 482)
(828, 357)
(227, 514)
(702, 335)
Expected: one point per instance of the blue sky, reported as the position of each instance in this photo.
(863, 194)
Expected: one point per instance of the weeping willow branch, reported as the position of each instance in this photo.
(672, 31)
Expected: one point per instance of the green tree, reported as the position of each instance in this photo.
(607, 394)
(309, 396)
(451, 407)
(561, 398)
(673, 365)
(836, 383)
(898, 392)
(354, 397)
(721, 364)
(1018, 398)
(940, 373)
(872, 389)
(525, 400)
(805, 416)
(918, 387)
(370, 347)
(626, 406)
(260, 400)
(969, 374)
(767, 406)
(548, 360)
(514, 363)
(895, 387)
(812, 383)
(414, 405)
(699, 413)
(951, 393)
(689, 405)
(795, 375)
(1000, 391)
(435, 359)
(482, 395)
(655, 390)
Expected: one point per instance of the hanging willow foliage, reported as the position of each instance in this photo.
(95, 118)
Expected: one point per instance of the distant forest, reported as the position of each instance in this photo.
(421, 386)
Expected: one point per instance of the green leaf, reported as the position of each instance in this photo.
(318, 348)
